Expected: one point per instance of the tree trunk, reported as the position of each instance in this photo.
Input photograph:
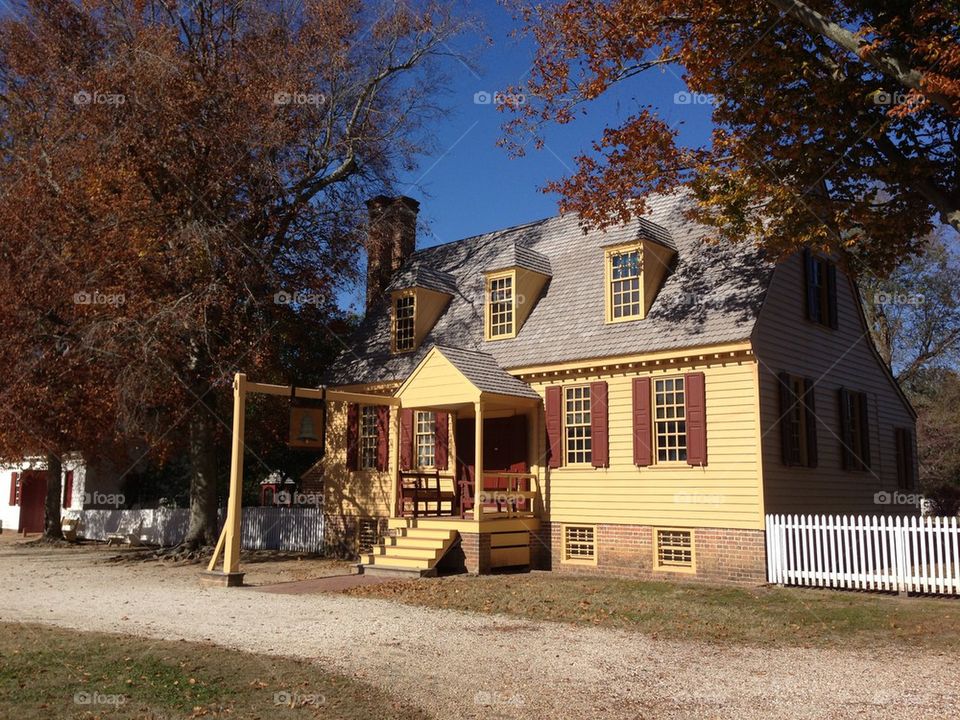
(51, 512)
(203, 482)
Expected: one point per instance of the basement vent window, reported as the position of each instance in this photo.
(674, 550)
(368, 534)
(579, 544)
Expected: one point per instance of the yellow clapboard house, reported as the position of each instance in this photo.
(631, 401)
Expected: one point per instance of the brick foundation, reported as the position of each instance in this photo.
(476, 552)
(721, 555)
(341, 534)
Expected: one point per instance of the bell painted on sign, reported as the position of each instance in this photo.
(307, 432)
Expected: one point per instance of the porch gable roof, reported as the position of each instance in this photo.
(480, 370)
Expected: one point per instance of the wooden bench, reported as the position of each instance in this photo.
(425, 488)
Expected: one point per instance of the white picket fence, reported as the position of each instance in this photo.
(262, 528)
(908, 554)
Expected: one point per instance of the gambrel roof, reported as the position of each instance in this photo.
(711, 295)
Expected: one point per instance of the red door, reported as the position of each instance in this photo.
(504, 449)
(33, 497)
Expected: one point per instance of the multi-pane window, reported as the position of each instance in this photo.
(674, 549)
(576, 424)
(625, 288)
(403, 323)
(500, 294)
(369, 440)
(425, 439)
(579, 543)
(670, 425)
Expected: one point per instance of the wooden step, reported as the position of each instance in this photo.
(400, 561)
(431, 554)
(426, 534)
(414, 542)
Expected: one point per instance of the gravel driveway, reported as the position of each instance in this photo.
(459, 665)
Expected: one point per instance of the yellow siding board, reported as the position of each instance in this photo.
(364, 493)
(662, 494)
(435, 383)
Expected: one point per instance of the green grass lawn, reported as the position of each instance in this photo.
(763, 616)
(48, 673)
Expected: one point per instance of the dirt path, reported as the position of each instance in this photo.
(459, 665)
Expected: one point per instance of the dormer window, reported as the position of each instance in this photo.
(514, 281)
(500, 306)
(633, 275)
(625, 300)
(404, 323)
(624, 283)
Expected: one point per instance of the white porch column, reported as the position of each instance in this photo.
(478, 460)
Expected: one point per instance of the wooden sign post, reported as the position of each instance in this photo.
(229, 542)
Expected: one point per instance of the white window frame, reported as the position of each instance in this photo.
(674, 413)
(409, 337)
(425, 438)
(368, 437)
(501, 306)
(613, 286)
(570, 399)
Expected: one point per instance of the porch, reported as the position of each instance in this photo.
(493, 425)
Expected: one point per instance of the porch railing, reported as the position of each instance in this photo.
(423, 494)
(508, 494)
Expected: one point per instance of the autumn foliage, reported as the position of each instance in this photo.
(181, 198)
(836, 123)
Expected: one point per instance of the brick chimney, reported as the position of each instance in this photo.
(391, 239)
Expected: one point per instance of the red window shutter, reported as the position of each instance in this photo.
(846, 437)
(15, 489)
(68, 489)
(442, 437)
(383, 437)
(832, 316)
(554, 413)
(786, 417)
(811, 420)
(599, 432)
(642, 423)
(695, 394)
(864, 430)
(353, 436)
(909, 462)
(810, 292)
(406, 439)
(901, 439)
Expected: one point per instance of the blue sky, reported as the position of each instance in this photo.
(469, 185)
